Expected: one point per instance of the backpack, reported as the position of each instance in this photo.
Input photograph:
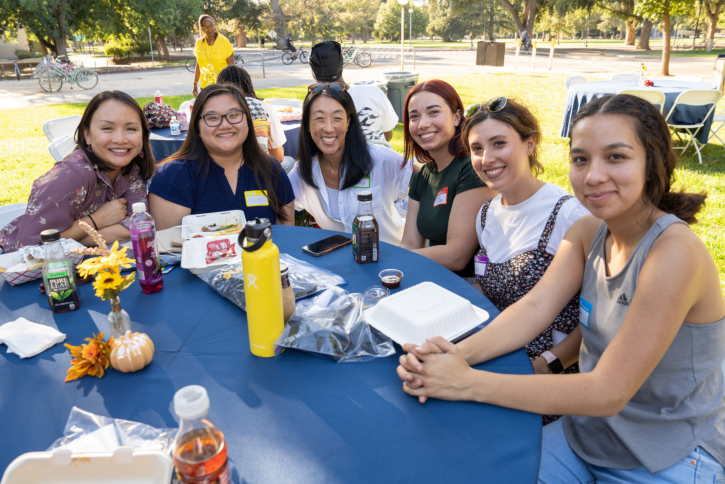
(159, 115)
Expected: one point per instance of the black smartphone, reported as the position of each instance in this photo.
(325, 246)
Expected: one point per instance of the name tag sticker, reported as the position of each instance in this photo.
(256, 198)
(442, 197)
(364, 183)
(481, 263)
(585, 309)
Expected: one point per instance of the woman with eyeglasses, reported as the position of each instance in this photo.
(446, 193)
(213, 51)
(648, 404)
(220, 167)
(335, 163)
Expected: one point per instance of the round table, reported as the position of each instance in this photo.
(582, 93)
(299, 418)
(164, 145)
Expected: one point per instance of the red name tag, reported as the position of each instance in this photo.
(441, 198)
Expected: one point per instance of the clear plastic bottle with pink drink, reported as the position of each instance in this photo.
(143, 238)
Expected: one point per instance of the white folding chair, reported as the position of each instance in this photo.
(283, 101)
(184, 106)
(656, 98)
(55, 128)
(570, 81)
(693, 97)
(719, 120)
(688, 78)
(8, 213)
(624, 77)
(62, 147)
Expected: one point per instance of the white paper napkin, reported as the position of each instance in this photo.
(26, 339)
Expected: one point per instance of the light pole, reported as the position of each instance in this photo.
(402, 31)
(410, 37)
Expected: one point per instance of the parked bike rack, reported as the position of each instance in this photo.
(252, 60)
(389, 52)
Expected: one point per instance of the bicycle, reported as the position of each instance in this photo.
(302, 55)
(52, 76)
(17, 69)
(190, 65)
(353, 54)
(526, 47)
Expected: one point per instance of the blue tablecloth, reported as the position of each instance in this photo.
(582, 93)
(165, 145)
(295, 419)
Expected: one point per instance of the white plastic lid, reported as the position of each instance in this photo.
(191, 402)
(139, 207)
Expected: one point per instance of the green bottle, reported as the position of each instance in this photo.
(58, 275)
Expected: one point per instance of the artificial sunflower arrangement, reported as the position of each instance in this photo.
(90, 359)
(644, 69)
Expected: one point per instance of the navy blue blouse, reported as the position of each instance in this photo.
(176, 181)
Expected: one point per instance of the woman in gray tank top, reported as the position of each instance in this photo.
(648, 404)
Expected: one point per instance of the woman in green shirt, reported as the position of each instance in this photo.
(445, 196)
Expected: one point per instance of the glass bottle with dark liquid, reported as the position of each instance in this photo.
(200, 450)
(365, 233)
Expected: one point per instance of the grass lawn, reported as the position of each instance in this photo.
(24, 155)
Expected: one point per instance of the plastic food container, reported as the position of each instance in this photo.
(62, 466)
(194, 223)
(15, 278)
(194, 254)
(391, 278)
(424, 311)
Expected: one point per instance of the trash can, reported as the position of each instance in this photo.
(383, 85)
(718, 73)
(400, 84)
(490, 53)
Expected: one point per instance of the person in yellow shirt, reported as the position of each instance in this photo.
(212, 50)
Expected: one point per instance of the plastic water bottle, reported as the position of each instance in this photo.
(143, 238)
(200, 450)
(158, 98)
(58, 275)
(175, 126)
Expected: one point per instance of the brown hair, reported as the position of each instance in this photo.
(519, 118)
(451, 97)
(145, 160)
(260, 163)
(654, 134)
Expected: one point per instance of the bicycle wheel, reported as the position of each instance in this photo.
(363, 59)
(190, 65)
(86, 78)
(239, 60)
(287, 58)
(50, 81)
(17, 72)
(303, 56)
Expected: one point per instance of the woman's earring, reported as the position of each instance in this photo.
(140, 155)
(90, 150)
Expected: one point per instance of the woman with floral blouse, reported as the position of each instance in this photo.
(97, 183)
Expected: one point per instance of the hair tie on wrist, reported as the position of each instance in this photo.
(94, 223)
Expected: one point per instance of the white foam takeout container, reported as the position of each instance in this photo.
(193, 254)
(195, 222)
(64, 467)
(423, 311)
(14, 278)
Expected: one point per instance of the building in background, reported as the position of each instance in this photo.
(8, 46)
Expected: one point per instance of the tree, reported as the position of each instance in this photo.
(662, 10)
(387, 22)
(444, 21)
(355, 17)
(712, 11)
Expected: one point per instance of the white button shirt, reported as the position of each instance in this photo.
(387, 182)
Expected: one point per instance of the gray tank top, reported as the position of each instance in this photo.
(679, 407)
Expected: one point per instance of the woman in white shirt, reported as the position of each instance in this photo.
(335, 163)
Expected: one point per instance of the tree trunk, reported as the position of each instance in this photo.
(713, 14)
(666, 41)
(165, 48)
(643, 43)
(60, 41)
(279, 23)
(489, 33)
(242, 35)
(631, 26)
(517, 20)
(532, 16)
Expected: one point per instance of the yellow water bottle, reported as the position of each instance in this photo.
(262, 286)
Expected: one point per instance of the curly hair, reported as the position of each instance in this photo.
(239, 77)
(661, 161)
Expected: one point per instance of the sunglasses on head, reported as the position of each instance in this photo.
(493, 106)
(334, 86)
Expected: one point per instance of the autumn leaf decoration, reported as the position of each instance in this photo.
(90, 359)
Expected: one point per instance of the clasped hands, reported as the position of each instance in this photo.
(435, 369)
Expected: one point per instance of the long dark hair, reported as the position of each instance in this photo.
(260, 163)
(145, 160)
(654, 134)
(453, 100)
(356, 159)
(239, 77)
(519, 118)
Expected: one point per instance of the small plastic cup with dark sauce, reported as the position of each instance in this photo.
(391, 278)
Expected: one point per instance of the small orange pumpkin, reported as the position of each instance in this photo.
(131, 352)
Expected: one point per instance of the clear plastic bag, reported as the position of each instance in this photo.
(332, 325)
(305, 279)
(88, 432)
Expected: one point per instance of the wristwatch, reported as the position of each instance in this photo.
(553, 362)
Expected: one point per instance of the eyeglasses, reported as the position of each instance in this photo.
(493, 106)
(213, 120)
(208, 27)
(334, 86)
